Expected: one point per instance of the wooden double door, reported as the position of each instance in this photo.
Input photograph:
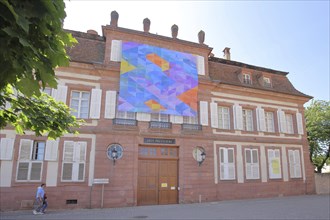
(157, 182)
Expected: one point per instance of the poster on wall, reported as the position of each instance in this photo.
(157, 80)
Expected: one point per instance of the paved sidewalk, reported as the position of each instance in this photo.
(311, 207)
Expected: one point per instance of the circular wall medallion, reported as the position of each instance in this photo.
(114, 151)
(198, 153)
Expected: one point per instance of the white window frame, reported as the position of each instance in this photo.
(269, 121)
(190, 120)
(224, 117)
(267, 82)
(274, 164)
(125, 115)
(289, 123)
(251, 163)
(294, 164)
(159, 117)
(227, 166)
(247, 115)
(78, 108)
(74, 159)
(247, 78)
(30, 160)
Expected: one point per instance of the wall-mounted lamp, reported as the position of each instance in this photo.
(114, 152)
(201, 158)
(199, 155)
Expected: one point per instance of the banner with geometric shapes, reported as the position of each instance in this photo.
(157, 80)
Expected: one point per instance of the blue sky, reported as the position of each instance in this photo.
(290, 36)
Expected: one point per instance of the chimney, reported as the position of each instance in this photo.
(226, 53)
(146, 25)
(114, 19)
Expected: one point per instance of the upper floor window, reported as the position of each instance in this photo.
(125, 115)
(80, 103)
(247, 120)
(267, 82)
(289, 123)
(223, 117)
(159, 117)
(247, 79)
(190, 120)
(269, 122)
(47, 90)
(30, 160)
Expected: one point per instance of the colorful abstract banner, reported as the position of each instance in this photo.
(157, 80)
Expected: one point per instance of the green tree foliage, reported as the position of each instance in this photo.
(32, 45)
(318, 132)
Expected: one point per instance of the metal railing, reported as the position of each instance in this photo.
(124, 121)
(195, 127)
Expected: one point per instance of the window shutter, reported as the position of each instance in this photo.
(25, 149)
(51, 150)
(60, 93)
(299, 123)
(214, 115)
(142, 116)
(95, 106)
(68, 151)
(203, 113)
(110, 104)
(297, 169)
(200, 65)
(291, 163)
(6, 147)
(176, 119)
(281, 121)
(80, 151)
(227, 164)
(116, 47)
(238, 117)
(261, 119)
(81, 171)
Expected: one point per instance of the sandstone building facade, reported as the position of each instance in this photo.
(248, 134)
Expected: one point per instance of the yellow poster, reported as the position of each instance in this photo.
(276, 167)
(164, 184)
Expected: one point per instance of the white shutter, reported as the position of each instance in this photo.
(6, 147)
(238, 117)
(299, 123)
(110, 104)
(80, 151)
(214, 115)
(291, 163)
(51, 150)
(261, 119)
(60, 93)
(227, 168)
(176, 119)
(68, 151)
(25, 149)
(95, 107)
(297, 169)
(203, 109)
(281, 121)
(142, 116)
(200, 65)
(116, 47)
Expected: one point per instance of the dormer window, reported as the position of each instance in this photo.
(267, 82)
(247, 79)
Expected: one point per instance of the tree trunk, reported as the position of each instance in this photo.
(319, 168)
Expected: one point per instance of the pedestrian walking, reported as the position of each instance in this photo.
(40, 200)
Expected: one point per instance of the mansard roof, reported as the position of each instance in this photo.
(91, 49)
(229, 72)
